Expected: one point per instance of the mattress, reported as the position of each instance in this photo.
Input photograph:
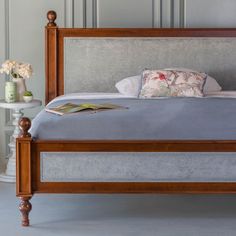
(209, 118)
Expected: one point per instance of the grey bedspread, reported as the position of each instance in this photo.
(145, 119)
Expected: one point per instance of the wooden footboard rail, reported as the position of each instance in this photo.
(28, 167)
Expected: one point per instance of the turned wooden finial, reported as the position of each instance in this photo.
(24, 125)
(52, 16)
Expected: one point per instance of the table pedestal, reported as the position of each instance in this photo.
(10, 174)
(16, 107)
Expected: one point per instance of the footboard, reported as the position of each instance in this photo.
(40, 162)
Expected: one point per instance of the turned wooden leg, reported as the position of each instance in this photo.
(25, 208)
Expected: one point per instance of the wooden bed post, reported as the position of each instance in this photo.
(23, 169)
(51, 51)
(25, 208)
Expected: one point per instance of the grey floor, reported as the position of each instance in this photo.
(113, 215)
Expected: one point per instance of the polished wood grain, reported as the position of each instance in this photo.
(136, 145)
(23, 159)
(51, 62)
(23, 169)
(24, 125)
(25, 208)
(51, 16)
(136, 187)
(147, 32)
(29, 150)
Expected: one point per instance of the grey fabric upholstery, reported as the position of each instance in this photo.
(96, 64)
(137, 167)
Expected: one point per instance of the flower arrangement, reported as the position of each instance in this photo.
(17, 70)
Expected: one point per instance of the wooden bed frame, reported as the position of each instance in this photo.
(28, 150)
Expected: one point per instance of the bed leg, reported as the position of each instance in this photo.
(25, 208)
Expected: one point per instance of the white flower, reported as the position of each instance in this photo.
(17, 69)
(8, 66)
(24, 70)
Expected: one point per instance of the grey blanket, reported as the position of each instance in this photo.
(149, 119)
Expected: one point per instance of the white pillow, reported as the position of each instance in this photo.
(211, 85)
(131, 85)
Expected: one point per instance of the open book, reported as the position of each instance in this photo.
(72, 108)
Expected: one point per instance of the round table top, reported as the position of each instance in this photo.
(20, 105)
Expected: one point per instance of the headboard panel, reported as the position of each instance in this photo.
(94, 59)
(95, 65)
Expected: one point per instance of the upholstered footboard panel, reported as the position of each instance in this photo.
(137, 167)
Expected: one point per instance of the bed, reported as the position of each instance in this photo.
(122, 154)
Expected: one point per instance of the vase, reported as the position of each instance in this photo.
(20, 88)
(10, 92)
(28, 98)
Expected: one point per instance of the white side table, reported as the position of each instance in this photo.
(17, 107)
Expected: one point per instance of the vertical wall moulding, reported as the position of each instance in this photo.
(177, 11)
(89, 13)
(84, 14)
(79, 11)
(172, 13)
(7, 56)
(161, 14)
(65, 8)
(69, 13)
(166, 13)
(95, 14)
(153, 14)
(73, 13)
(182, 13)
(156, 14)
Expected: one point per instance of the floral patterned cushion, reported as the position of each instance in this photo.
(172, 83)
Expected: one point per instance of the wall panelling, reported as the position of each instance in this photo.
(210, 13)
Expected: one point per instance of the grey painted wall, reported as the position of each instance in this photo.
(22, 28)
(210, 13)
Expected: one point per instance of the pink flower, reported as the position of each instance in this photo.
(162, 77)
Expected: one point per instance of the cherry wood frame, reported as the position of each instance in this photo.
(28, 150)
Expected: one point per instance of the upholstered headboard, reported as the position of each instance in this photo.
(97, 64)
(93, 60)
